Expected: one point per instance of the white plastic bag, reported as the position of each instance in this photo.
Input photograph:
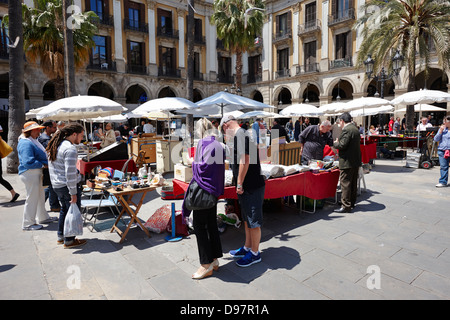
(73, 224)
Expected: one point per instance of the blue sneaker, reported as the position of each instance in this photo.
(249, 259)
(239, 253)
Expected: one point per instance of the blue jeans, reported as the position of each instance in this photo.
(64, 199)
(52, 197)
(444, 167)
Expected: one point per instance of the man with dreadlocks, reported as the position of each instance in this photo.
(64, 175)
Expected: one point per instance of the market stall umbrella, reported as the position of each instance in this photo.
(164, 104)
(258, 114)
(302, 109)
(31, 114)
(421, 97)
(371, 111)
(114, 118)
(223, 102)
(79, 107)
(331, 108)
(423, 107)
(363, 103)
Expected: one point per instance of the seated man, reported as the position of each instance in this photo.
(387, 154)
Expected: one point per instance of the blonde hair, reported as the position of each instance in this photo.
(204, 128)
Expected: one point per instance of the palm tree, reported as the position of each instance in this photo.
(409, 26)
(229, 18)
(43, 33)
(16, 116)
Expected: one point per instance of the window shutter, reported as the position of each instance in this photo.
(106, 8)
(87, 5)
(348, 43)
(289, 22)
(108, 51)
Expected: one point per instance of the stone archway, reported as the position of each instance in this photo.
(102, 89)
(136, 94)
(166, 92)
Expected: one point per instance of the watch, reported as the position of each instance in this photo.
(239, 186)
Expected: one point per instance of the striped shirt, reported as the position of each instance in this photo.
(63, 171)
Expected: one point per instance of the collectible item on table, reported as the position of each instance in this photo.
(157, 180)
(183, 173)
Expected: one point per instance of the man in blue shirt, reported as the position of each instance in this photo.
(255, 127)
(443, 137)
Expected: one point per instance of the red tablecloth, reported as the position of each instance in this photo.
(312, 185)
(86, 167)
(368, 151)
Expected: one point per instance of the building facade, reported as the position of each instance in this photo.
(306, 52)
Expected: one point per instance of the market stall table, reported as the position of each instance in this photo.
(125, 198)
(86, 167)
(316, 186)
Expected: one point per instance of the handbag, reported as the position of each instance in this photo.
(5, 148)
(197, 198)
(46, 177)
(73, 223)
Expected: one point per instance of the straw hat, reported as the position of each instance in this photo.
(31, 125)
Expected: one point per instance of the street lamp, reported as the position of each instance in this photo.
(382, 76)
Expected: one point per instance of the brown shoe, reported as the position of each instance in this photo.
(55, 209)
(75, 243)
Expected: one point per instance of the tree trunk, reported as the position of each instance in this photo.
(69, 60)
(59, 88)
(239, 68)
(16, 117)
(411, 82)
(190, 68)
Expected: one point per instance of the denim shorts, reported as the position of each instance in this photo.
(251, 203)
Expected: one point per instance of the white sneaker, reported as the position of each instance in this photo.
(440, 185)
(32, 227)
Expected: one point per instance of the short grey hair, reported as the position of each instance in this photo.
(326, 123)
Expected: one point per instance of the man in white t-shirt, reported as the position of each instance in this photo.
(148, 128)
(424, 124)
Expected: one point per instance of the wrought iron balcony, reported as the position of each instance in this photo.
(282, 35)
(341, 17)
(283, 73)
(135, 25)
(104, 19)
(105, 66)
(341, 63)
(309, 27)
(169, 72)
(308, 68)
(167, 33)
(136, 68)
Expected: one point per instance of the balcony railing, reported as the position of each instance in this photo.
(283, 73)
(225, 78)
(309, 27)
(105, 20)
(134, 25)
(105, 66)
(341, 16)
(282, 35)
(137, 69)
(198, 39)
(254, 77)
(307, 68)
(169, 72)
(341, 63)
(167, 33)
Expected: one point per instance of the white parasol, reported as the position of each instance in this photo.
(80, 107)
(258, 114)
(164, 104)
(223, 102)
(421, 97)
(302, 109)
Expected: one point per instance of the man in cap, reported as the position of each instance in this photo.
(250, 186)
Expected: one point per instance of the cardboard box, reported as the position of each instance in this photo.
(183, 173)
(413, 160)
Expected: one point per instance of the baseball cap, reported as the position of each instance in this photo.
(227, 118)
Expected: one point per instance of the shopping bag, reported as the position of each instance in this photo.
(181, 229)
(73, 224)
(158, 221)
(5, 148)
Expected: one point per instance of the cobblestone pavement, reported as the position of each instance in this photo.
(395, 245)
